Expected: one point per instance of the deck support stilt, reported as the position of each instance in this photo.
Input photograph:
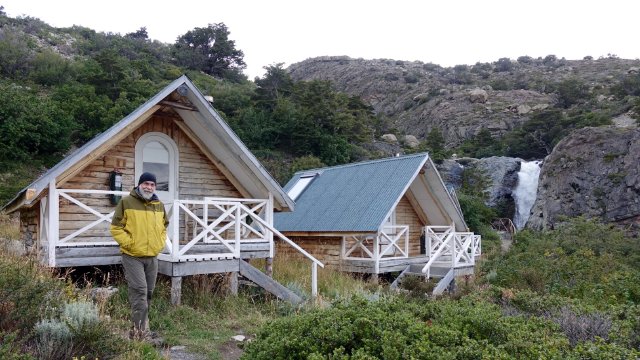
(176, 289)
(233, 283)
(374, 278)
(268, 267)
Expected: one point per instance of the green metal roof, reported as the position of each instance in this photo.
(354, 197)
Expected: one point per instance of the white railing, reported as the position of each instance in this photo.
(101, 217)
(390, 243)
(444, 243)
(225, 222)
(215, 221)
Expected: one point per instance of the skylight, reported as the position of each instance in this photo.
(299, 186)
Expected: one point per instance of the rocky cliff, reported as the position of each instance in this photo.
(593, 172)
(460, 101)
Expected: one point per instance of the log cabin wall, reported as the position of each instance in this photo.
(198, 177)
(29, 227)
(324, 248)
(406, 215)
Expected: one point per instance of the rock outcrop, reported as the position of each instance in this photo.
(499, 172)
(460, 101)
(594, 172)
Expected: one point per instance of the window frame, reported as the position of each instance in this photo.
(172, 149)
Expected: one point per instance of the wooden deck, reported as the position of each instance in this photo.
(89, 255)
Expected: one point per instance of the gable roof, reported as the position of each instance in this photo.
(203, 122)
(359, 197)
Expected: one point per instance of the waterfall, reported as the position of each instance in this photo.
(524, 194)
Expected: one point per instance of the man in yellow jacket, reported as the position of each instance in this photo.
(139, 226)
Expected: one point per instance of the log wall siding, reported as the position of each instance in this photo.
(197, 177)
(406, 215)
(327, 248)
(30, 228)
(324, 248)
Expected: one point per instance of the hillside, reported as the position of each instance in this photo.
(500, 97)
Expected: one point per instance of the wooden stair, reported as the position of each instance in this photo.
(443, 274)
(267, 283)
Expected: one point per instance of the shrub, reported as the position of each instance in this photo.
(396, 328)
(583, 327)
(28, 293)
(53, 340)
(80, 315)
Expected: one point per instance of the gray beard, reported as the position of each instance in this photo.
(145, 195)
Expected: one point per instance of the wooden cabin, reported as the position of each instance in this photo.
(219, 198)
(380, 216)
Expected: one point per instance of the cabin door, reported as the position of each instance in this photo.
(157, 153)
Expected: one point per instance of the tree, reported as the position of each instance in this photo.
(435, 144)
(32, 127)
(210, 50)
(139, 34)
(275, 84)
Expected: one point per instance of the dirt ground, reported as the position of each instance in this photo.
(228, 351)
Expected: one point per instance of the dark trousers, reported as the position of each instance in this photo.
(141, 274)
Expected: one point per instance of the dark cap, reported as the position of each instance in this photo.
(147, 177)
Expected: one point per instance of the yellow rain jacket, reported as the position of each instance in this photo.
(140, 226)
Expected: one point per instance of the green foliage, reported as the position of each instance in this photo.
(31, 126)
(435, 145)
(14, 52)
(583, 260)
(306, 163)
(50, 69)
(403, 328)
(27, 294)
(53, 340)
(536, 138)
(571, 91)
(210, 50)
(503, 64)
(630, 85)
(482, 145)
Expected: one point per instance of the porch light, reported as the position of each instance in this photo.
(115, 184)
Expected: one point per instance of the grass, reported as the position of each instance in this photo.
(204, 323)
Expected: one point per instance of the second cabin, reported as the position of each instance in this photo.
(380, 216)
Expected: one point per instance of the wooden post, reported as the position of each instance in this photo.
(54, 224)
(314, 280)
(175, 245)
(268, 217)
(176, 289)
(268, 267)
(374, 278)
(233, 283)
(236, 229)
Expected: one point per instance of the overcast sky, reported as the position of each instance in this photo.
(444, 32)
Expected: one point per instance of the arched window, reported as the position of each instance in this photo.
(157, 153)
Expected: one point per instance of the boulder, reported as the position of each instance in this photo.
(502, 173)
(390, 138)
(478, 95)
(523, 109)
(411, 141)
(593, 172)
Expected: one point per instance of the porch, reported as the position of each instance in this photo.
(388, 251)
(210, 235)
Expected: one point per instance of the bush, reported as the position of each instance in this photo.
(53, 340)
(28, 293)
(403, 328)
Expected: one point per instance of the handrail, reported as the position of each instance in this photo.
(315, 262)
(283, 237)
(463, 247)
(432, 258)
(504, 224)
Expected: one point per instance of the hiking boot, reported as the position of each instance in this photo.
(153, 338)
